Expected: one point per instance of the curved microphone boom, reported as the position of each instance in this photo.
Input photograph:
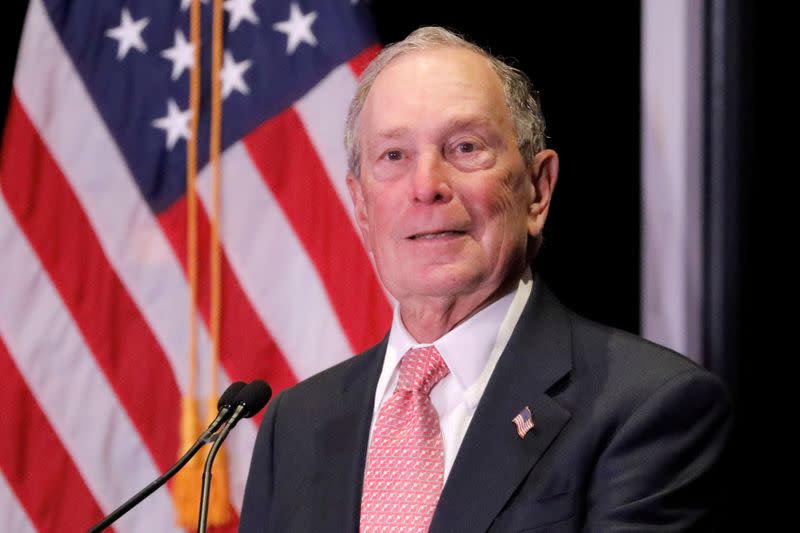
(250, 400)
(226, 406)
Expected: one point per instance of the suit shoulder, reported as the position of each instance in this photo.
(620, 373)
(622, 353)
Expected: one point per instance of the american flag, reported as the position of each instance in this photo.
(524, 422)
(93, 236)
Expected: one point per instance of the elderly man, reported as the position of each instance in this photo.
(489, 406)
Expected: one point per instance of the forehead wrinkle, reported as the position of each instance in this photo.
(393, 133)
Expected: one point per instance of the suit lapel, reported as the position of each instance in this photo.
(493, 459)
(341, 444)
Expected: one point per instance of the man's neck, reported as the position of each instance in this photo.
(429, 318)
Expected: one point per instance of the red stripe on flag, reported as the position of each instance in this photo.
(359, 63)
(287, 160)
(247, 350)
(35, 463)
(52, 218)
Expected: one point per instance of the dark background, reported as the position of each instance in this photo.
(584, 59)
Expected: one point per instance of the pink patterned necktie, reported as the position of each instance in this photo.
(405, 465)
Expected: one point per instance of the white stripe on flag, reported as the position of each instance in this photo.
(273, 268)
(93, 426)
(15, 520)
(323, 112)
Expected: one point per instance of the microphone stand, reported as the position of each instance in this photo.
(206, 437)
(224, 405)
(212, 453)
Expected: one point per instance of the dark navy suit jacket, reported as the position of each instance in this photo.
(628, 436)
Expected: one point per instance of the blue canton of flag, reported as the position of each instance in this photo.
(138, 73)
(524, 422)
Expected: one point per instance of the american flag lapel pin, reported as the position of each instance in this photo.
(524, 422)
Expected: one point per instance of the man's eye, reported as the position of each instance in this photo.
(466, 147)
(394, 155)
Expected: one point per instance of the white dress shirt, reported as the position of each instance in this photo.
(471, 351)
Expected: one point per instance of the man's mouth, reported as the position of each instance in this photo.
(436, 235)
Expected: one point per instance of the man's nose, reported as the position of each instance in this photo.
(431, 183)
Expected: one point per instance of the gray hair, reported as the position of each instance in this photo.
(520, 95)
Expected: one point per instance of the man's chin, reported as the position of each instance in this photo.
(444, 281)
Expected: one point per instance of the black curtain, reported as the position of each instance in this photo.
(749, 204)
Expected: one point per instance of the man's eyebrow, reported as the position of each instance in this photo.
(389, 135)
(453, 124)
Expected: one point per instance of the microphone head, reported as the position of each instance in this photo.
(253, 397)
(229, 396)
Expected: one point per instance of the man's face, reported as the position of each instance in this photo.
(444, 195)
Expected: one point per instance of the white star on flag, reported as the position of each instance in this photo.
(240, 10)
(176, 123)
(297, 28)
(128, 34)
(186, 3)
(232, 75)
(181, 54)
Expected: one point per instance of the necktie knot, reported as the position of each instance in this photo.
(421, 369)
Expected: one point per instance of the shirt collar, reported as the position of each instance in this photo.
(466, 348)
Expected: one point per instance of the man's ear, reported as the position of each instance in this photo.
(544, 175)
(354, 185)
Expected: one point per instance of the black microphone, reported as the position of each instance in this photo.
(250, 400)
(226, 406)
